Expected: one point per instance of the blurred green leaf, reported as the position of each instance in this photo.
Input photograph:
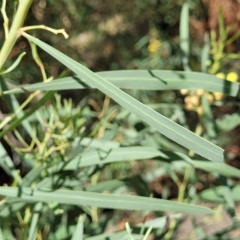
(33, 226)
(215, 194)
(205, 53)
(1, 235)
(228, 122)
(32, 175)
(184, 36)
(223, 168)
(78, 233)
(227, 195)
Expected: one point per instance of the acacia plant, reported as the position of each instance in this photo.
(66, 155)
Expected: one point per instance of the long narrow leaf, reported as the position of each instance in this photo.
(205, 53)
(78, 234)
(142, 80)
(184, 36)
(33, 226)
(215, 194)
(165, 126)
(84, 198)
(98, 157)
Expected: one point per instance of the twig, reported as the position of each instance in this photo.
(5, 19)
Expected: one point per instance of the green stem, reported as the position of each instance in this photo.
(18, 22)
(182, 189)
(183, 186)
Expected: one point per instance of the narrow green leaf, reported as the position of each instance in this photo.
(32, 175)
(205, 53)
(126, 202)
(33, 226)
(215, 194)
(14, 65)
(78, 234)
(96, 157)
(140, 79)
(184, 36)
(95, 143)
(165, 126)
(223, 168)
(51, 182)
(220, 168)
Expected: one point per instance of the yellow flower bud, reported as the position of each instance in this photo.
(220, 75)
(187, 99)
(218, 96)
(210, 98)
(232, 77)
(199, 92)
(151, 48)
(154, 45)
(195, 100)
(189, 106)
(200, 110)
(183, 91)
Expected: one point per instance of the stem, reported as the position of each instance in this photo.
(183, 185)
(5, 18)
(182, 189)
(55, 31)
(18, 22)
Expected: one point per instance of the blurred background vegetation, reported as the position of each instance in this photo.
(118, 35)
(110, 35)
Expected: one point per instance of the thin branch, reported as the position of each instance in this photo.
(5, 19)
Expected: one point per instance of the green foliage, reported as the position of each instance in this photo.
(80, 158)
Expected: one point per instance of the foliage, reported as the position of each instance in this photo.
(79, 159)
